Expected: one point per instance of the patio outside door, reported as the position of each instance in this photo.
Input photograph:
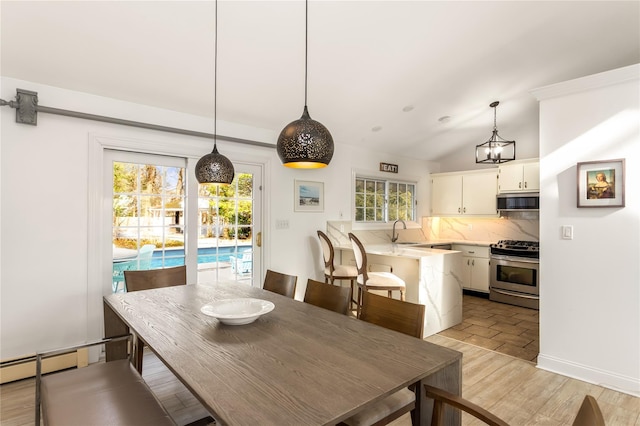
(161, 217)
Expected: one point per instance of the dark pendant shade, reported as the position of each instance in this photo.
(305, 144)
(214, 168)
(496, 150)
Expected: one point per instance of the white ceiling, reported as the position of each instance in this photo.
(367, 60)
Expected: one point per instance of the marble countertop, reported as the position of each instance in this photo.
(400, 250)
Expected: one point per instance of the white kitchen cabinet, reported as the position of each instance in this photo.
(464, 194)
(519, 177)
(475, 267)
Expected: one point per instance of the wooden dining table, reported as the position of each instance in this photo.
(296, 365)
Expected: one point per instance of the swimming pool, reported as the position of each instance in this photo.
(175, 256)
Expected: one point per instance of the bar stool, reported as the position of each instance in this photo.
(373, 280)
(332, 271)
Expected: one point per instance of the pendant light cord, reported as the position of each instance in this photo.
(215, 79)
(306, 47)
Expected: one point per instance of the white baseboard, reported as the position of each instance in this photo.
(607, 379)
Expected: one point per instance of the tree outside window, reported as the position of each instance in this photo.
(378, 200)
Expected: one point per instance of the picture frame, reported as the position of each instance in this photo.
(601, 183)
(308, 196)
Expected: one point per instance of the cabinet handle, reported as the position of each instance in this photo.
(473, 263)
(467, 262)
(525, 185)
(520, 185)
(464, 210)
(471, 252)
(458, 209)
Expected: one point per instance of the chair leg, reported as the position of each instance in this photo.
(401, 295)
(359, 302)
(351, 299)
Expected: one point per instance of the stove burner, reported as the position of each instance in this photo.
(517, 245)
(516, 248)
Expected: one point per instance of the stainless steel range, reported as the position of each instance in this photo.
(514, 276)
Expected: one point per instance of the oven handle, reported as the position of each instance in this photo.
(510, 293)
(514, 258)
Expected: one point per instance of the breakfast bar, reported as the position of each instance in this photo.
(432, 277)
(297, 364)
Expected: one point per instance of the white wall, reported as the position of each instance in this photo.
(590, 286)
(44, 287)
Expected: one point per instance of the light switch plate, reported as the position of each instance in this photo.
(282, 224)
(567, 232)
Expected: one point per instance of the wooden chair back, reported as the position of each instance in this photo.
(442, 397)
(360, 256)
(589, 413)
(327, 251)
(280, 283)
(155, 278)
(398, 315)
(332, 297)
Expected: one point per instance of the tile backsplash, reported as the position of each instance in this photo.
(481, 229)
(489, 230)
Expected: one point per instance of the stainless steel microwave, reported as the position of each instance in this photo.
(518, 201)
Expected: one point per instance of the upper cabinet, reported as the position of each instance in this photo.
(470, 193)
(519, 176)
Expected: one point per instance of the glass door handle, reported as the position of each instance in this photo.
(259, 239)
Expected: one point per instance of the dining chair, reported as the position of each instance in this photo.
(155, 278)
(589, 413)
(332, 271)
(441, 397)
(328, 296)
(385, 281)
(147, 280)
(403, 317)
(280, 283)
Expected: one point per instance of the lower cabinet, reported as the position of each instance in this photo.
(475, 267)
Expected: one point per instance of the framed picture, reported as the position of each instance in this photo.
(308, 196)
(601, 183)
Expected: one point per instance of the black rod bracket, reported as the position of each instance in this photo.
(27, 107)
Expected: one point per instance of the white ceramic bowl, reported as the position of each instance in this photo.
(237, 311)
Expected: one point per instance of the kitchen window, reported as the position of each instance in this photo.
(379, 200)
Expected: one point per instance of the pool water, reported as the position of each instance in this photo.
(175, 257)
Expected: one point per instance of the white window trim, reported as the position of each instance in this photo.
(363, 226)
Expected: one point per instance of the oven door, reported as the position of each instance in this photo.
(515, 274)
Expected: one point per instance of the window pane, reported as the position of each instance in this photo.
(380, 201)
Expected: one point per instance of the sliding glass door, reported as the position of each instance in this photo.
(154, 225)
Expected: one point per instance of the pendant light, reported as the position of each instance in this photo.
(305, 143)
(215, 167)
(496, 149)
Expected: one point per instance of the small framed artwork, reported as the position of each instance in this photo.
(601, 183)
(308, 196)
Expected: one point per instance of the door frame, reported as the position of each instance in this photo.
(190, 148)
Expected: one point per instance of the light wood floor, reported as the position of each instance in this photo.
(512, 388)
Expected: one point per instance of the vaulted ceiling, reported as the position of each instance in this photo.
(399, 67)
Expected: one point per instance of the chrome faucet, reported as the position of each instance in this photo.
(395, 237)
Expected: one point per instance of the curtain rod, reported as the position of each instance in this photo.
(27, 109)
